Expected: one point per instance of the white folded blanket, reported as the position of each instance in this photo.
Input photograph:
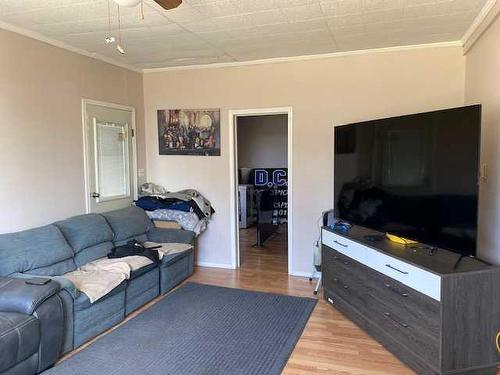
(95, 284)
(168, 248)
(98, 278)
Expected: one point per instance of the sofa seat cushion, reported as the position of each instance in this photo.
(164, 249)
(169, 259)
(42, 251)
(83, 301)
(141, 271)
(19, 338)
(128, 223)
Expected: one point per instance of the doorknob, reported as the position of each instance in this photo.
(95, 195)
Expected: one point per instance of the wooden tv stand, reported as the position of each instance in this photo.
(436, 315)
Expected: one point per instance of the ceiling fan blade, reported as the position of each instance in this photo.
(168, 4)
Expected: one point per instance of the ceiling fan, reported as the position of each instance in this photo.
(165, 4)
(110, 39)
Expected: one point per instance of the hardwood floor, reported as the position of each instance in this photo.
(330, 344)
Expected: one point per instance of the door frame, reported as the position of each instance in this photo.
(86, 169)
(233, 167)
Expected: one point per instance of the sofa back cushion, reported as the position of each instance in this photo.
(40, 251)
(90, 236)
(128, 223)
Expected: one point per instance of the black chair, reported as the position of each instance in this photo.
(267, 217)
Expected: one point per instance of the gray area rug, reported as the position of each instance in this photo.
(200, 330)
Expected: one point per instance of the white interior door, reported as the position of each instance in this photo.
(110, 157)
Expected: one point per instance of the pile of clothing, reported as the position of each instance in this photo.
(188, 208)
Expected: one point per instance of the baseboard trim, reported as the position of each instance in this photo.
(215, 265)
(226, 266)
(315, 275)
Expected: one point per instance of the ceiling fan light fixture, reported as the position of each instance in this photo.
(127, 3)
(110, 39)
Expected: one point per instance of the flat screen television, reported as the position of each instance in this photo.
(415, 176)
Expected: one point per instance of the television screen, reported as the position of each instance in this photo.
(415, 176)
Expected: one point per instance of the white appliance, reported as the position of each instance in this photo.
(246, 206)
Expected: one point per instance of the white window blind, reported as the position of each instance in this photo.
(112, 161)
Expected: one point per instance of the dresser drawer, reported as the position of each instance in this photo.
(392, 306)
(406, 304)
(339, 280)
(423, 281)
(381, 333)
(404, 331)
(403, 302)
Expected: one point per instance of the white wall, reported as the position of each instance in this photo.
(322, 93)
(482, 85)
(41, 152)
(262, 141)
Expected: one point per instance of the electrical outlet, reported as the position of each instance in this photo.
(141, 176)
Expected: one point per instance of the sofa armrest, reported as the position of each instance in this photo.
(19, 297)
(64, 283)
(167, 235)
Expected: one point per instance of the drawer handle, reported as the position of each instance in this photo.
(396, 269)
(389, 286)
(343, 286)
(346, 263)
(388, 315)
(340, 243)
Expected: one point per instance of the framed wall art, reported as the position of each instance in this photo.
(189, 132)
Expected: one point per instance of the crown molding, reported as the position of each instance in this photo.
(56, 43)
(306, 57)
(483, 20)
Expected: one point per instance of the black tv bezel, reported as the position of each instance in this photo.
(477, 107)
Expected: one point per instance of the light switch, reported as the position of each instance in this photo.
(484, 172)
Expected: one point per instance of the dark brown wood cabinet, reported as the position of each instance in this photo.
(437, 312)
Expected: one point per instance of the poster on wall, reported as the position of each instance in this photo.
(266, 178)
(189, 132)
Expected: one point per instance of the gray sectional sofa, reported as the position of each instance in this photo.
(53, 250)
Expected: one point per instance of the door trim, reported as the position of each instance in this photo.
(86, 169)
(233, 166)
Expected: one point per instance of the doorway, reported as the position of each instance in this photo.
(110, 156)
(261, 185)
